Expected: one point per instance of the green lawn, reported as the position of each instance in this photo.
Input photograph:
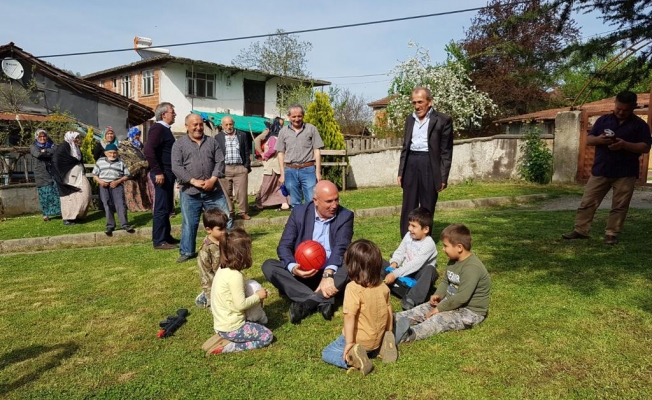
(567, 320)
(29, 226)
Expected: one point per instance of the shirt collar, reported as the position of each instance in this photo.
(430, 111)
(319, 219)
(165, 124)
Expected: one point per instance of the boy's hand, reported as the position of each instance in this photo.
(390, 278)
(432, 312)
(434, 300)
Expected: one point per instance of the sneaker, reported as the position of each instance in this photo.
(359, 359)
(388, 351)
(402, 331)
(574, 235)
(214, 345)
(200, 300)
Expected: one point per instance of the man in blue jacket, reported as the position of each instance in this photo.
(325, 221)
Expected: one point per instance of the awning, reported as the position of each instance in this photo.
(255, 125)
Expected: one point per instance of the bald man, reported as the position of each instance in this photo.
(236, 148)
(197, 162)
(325, 221)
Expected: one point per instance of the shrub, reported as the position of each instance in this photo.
(536, 163)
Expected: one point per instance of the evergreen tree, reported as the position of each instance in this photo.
(87, 145)
(320, 114)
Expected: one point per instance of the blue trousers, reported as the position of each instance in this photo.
(334, 353)
(191, 209)
(300, 182)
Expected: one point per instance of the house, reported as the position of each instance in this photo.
(47, 89)
(197, 85)
(379, 108)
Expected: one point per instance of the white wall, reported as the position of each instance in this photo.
(229, 92)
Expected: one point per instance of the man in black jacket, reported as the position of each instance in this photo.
(237, 151)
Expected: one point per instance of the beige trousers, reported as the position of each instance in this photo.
(234, 184)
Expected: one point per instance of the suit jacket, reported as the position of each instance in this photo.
(245, 146)
(440, 146)
(299, 229)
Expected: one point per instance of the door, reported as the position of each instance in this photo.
(254, 98)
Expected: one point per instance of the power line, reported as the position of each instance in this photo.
(353, 76)
(327, 28)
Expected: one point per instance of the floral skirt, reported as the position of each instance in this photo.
(137, 194)
(48, 198)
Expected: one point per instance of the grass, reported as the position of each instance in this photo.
(29, 226)
(567, 320)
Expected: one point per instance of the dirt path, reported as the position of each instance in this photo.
(642, 199)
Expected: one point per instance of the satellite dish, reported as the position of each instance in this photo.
(12, 68)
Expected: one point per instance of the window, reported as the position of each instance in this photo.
(148, 83)
(101, 84)
(126, 86)
(200, 84)
(115, 85)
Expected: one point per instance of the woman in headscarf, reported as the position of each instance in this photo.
(48, 194)
(136, 193)
(107, 137)
(74, 189)
(270, 189)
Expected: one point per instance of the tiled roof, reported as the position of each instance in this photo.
(381, 103)
(166, 58)
(604, 105)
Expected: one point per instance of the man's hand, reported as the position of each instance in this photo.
(297, 271)
(327, 287)
(318, 175)
(159, 179)
(103, 183)
(432, 312)
(115, 183)
(434, 300)
(209, 184)
(616, 144)
(390, 278)
(198, 183)
(399, 180)
(443, 186)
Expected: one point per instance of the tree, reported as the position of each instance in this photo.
(287, 95)
(452, 90)
(320, 114)
(630, 21)
(509, 48)
(351, 111)
(592, 77)
(281, 54)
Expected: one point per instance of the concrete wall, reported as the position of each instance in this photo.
(566, 147)
(19, 199)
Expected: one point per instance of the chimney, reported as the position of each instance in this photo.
(142, 45)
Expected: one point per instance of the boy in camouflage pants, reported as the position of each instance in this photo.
(208, 260)
(462, 298)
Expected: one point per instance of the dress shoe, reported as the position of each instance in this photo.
(172, 240)
(185, 257)
(298, 311)
(109, 231)
(68, 222)
(574, 235)
(244, 216)
(165, 246)
(327, 310)
(610, 239)
(129, 229)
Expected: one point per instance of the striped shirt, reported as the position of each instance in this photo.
(109, 171)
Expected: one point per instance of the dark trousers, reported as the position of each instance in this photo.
(417, 294)
(298, 289)
(113, 199)
(418, 187)
(163, 206)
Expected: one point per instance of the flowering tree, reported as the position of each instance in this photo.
(452, 91)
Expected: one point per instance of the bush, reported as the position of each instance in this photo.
(536, 164)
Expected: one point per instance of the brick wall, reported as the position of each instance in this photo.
(136, 86)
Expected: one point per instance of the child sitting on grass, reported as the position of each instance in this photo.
(208, 259)
(416, 257)
(367, 313)
(462, 298)
(228, 301)
(109, 173)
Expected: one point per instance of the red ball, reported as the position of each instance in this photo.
(310, 255)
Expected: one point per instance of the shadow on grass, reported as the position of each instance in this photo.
(49, 357)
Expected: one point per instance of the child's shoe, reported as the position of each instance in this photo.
(214, 345)
(200, 300)
(388, 351)
(358, 358)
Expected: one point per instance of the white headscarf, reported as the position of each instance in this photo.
(70, 138)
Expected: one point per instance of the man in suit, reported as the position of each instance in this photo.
(426, 156)
(158, 152)
(326, 222)
(236, 148)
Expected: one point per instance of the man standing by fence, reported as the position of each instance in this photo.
(619, 139)
(426, 156)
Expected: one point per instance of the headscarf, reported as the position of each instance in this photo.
(70, 139)
(132, 133)
(48, 142)
(115, 138)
